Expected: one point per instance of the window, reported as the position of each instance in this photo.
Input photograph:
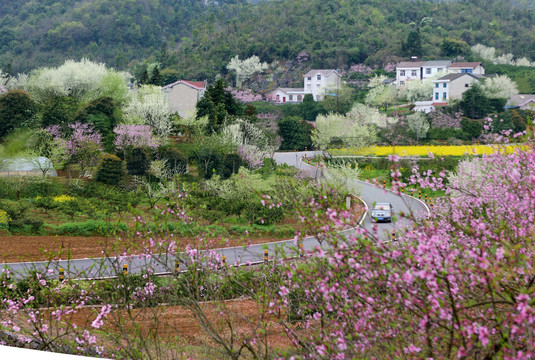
(290, 97)
(436, 85)
(428, 71)
(466, 71)
(317, 98)
(445, 85)
(317, 86)
(318, 77)
(439, 69)
(299, 98)
(309, 87)
(436, 96)
(413, 73)
(402, 82)
(444, 96)
(278, 98)
(466, 85)
(401, 72)
(309, 78)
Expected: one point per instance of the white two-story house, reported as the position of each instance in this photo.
(315, 82)
(419, 70)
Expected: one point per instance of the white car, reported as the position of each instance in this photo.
(382, 212)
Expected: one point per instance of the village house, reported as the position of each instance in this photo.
(421, 70)
(448, 87)
(183, 95)
(315, 82)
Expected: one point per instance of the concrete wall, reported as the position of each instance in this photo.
(182, 99)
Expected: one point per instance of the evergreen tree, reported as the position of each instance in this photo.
(111, 170)
(309, 108)
(295, 134)
(476, 105)
(144, 79)
(138, 163)
(156, 78)
(218, 103)
(413, 46)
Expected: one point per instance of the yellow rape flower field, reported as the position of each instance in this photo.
(424, 150)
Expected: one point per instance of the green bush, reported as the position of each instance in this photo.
(46, 203)
(471, 128)
(258, 214)
(70, 207)
(230, 165)
(15, 209)
(208, 162)
(177, 162)
(111, 170)
(138, 163)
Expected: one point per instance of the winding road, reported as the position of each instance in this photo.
(109, 267)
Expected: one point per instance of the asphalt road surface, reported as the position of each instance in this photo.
(254, 254)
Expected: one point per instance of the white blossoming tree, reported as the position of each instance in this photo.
(148, 107)
(245, 68)
(363, 114)
(334, 128)
(499, 87)
(419, 124)
(83, 80)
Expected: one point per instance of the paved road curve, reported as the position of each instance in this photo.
(108, 267)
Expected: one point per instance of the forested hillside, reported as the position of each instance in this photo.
(195, 39)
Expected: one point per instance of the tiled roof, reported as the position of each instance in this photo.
(194, 84)
(465, 65)
(451, 77)
(291, 90)
(410, 64)
(454, 76)
(437, 63)
(324, 72)
(522, 99)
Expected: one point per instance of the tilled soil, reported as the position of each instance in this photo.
(44, 248)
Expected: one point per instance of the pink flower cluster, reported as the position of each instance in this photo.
(360, 68)
(460, 282)
(130, 136)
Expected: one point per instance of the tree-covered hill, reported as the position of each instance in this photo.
(196, 38)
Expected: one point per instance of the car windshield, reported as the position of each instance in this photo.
(382, 207)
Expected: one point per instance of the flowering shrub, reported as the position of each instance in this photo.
(459, 283)
(4, 219)
(131, 136)
(63, 198)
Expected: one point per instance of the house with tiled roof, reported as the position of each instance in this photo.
(182, 96)
(288, 95)
(475, 68)
(421, 70)
(448, 87)
(453, 86)
(315, 82)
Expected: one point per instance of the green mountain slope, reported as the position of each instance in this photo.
(196, 39)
